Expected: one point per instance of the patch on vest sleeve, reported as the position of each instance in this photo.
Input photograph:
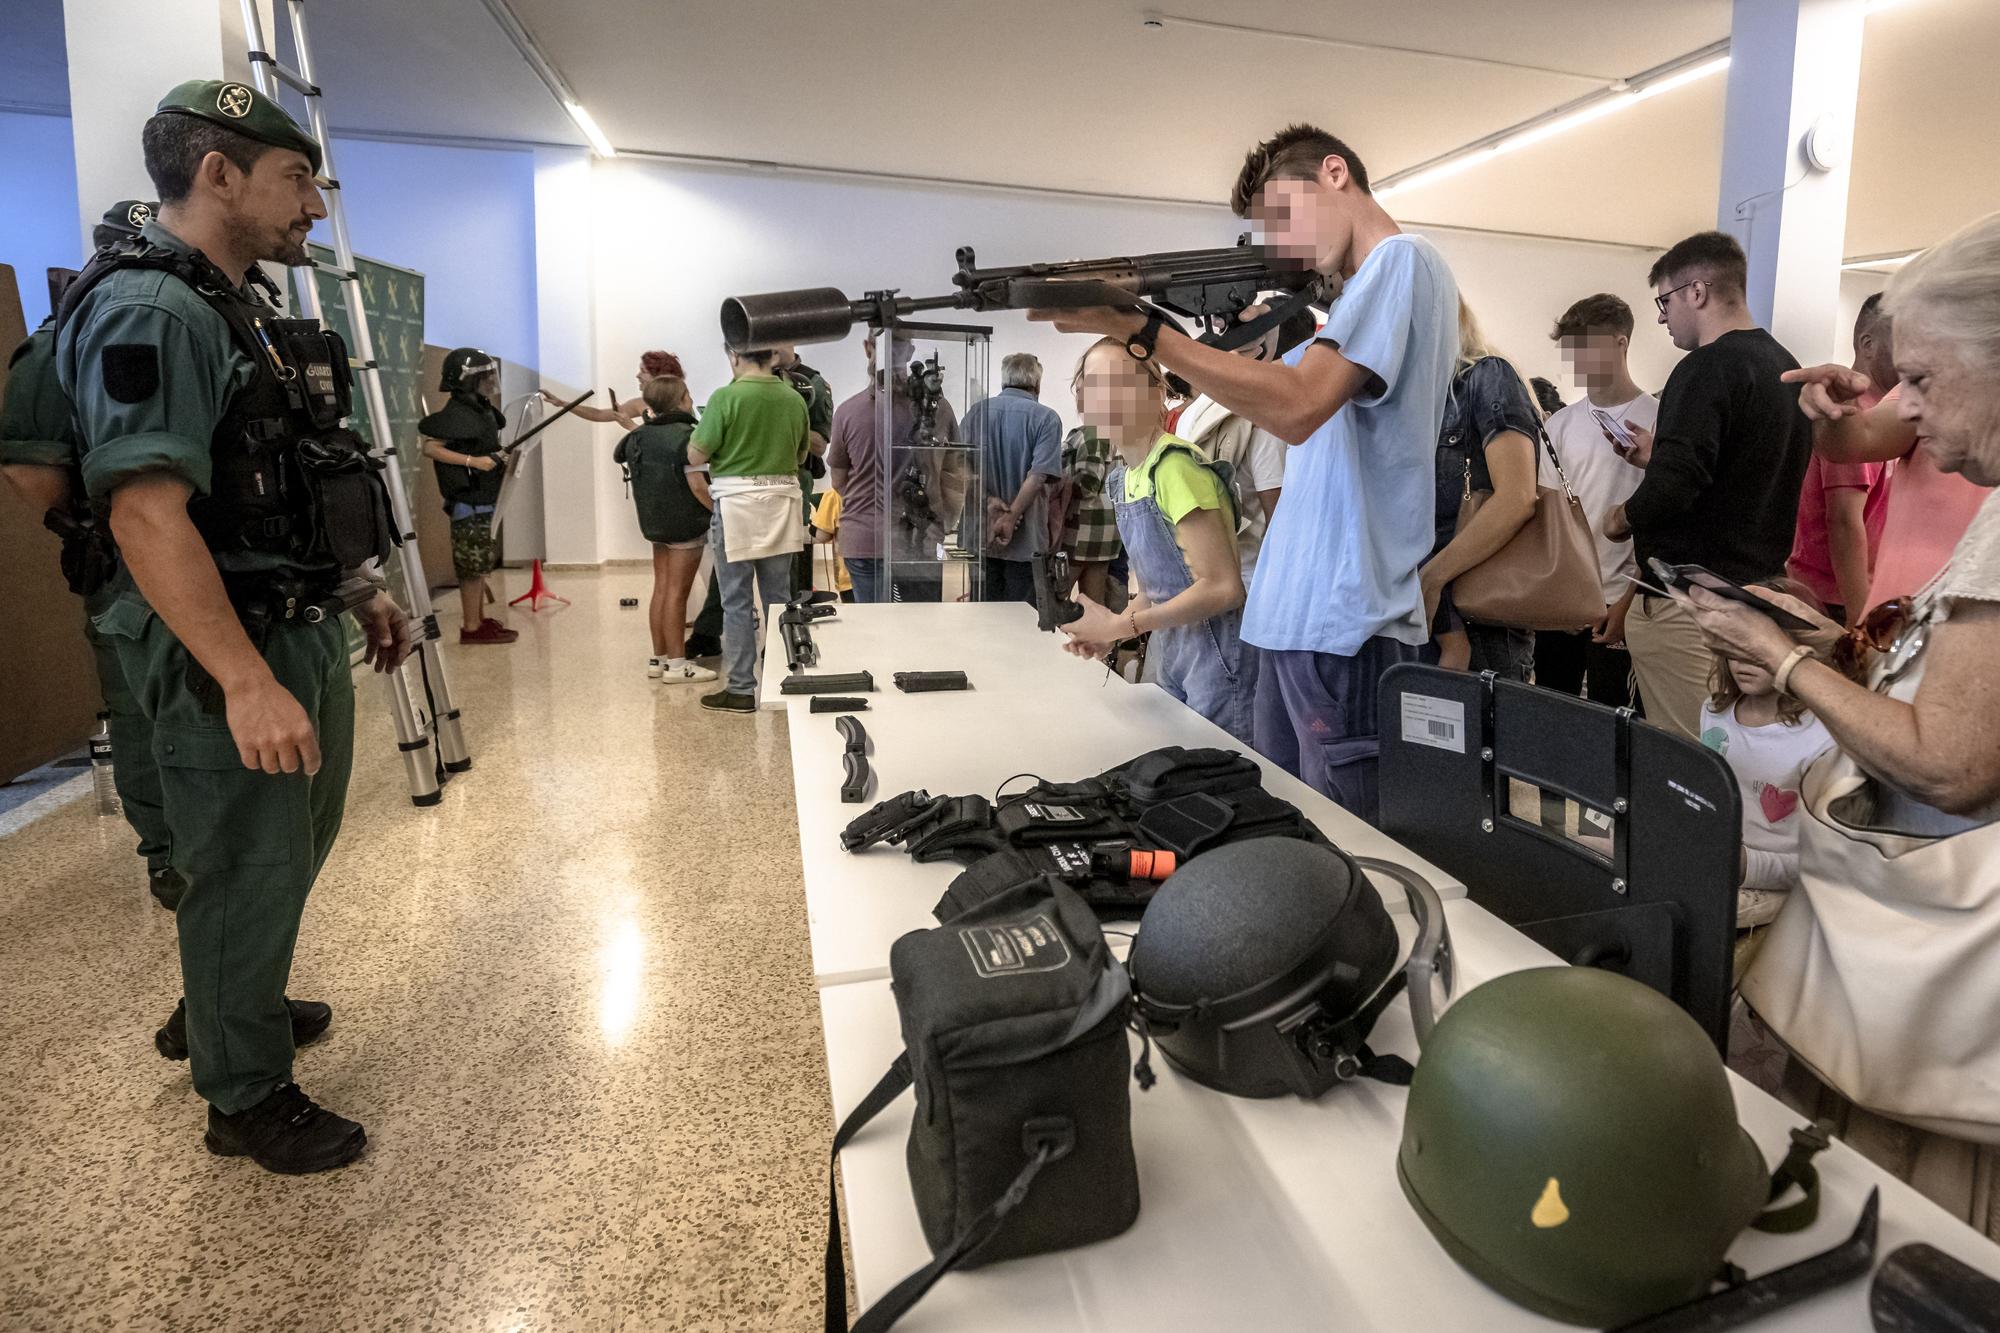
(131, 371)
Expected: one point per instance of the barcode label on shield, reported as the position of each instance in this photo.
(1439, 723)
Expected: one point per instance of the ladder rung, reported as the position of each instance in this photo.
(344, 274)
(285, 73)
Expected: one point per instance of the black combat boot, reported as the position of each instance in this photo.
(287, 1133)
(309, 1021)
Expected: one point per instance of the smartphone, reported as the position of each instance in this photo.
(1621, 438)
(1694, 576)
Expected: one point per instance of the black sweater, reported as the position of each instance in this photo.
(1729, 454)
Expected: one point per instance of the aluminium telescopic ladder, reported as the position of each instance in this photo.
(428, 733)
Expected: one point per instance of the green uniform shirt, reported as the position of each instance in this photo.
(165, 419)
(753, 427)
(35, 422)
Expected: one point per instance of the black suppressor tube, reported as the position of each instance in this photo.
(925, 682)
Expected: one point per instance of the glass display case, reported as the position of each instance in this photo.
(933, 490)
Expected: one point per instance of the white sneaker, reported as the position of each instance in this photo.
(654, 666)
(687, 673)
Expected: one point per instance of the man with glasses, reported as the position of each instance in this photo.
(1723, 466)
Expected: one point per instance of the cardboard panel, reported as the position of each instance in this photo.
(48, 686)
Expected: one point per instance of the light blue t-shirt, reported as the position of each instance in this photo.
(1339, 564)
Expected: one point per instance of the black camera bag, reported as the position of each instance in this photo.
(1014, 1020)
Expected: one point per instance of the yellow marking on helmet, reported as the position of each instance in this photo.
(1550, 1211)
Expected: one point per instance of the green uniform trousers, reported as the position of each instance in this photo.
(132, 767)
(248, 843)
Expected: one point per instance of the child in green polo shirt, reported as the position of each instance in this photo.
(752, 438)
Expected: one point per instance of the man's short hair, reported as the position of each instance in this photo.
(1021, 370)
(663, 392)
(1600, 312)
(1713, 257)
(174, 146)
(1871, 316)
(762, 356)
(1293, 154)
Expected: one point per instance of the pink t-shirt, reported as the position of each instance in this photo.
(1812, 557)
(1928, 511)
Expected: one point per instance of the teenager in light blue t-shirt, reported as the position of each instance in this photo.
(1337, 599)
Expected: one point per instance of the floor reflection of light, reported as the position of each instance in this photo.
(618, 1000)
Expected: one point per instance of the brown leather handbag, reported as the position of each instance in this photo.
(1546, 576)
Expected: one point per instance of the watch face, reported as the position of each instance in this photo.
(1137, 347)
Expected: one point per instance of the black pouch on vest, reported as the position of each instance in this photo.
(1209, 819)
(960, 830)
(1014, 1020)
(1174, 770)
(351, 520)
(1033, 819)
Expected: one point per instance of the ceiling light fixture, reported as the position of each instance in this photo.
(1879, 261)
(550, 76)
(1678, 73)
(590, 130)
(1693, 67)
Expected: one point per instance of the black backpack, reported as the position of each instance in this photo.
(1014, 1019)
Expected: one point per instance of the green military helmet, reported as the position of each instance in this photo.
(124, 218)
(463, 365)
(239, 107)
(1572, 1141)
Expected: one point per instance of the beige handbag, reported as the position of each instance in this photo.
(1546, 576)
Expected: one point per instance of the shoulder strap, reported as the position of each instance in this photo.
(1044, 1141)
(887, 1090)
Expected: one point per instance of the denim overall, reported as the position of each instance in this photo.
(1203, 665)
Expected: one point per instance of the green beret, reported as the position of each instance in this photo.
(240, 107)
(122, 219)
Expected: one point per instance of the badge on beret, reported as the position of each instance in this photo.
(139, 215)
(234, 101)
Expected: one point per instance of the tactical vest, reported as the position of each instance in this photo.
(287, 479)
(471, 425)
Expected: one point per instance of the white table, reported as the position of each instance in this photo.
(1284, 1213)
(1071, 721)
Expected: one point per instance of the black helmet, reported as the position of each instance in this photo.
(1261, 967)
(462, 365)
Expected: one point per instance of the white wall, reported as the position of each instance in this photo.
(673, 240)
(38, 205)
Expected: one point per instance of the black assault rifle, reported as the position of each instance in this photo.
(1194, 284)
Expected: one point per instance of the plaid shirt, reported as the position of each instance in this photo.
(1086, 459)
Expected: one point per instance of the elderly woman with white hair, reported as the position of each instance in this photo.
(1881, 978)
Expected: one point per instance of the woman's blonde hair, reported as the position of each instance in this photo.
(1152, 368)
(1723, 689)
(1473, 346)
(1953, 291)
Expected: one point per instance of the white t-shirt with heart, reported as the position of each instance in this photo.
(1769, 763)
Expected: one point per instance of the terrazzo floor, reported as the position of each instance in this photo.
(573, 1006)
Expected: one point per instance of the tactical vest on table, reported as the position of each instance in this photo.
(287, 479)
(1111, 838)
(471, 425)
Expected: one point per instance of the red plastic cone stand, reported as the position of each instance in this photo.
(538, 592)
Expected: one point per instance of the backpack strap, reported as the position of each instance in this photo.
(1043, 1141)
(1221, 471)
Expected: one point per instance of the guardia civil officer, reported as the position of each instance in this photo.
(38, 457)
(462, 440)
(212, 441)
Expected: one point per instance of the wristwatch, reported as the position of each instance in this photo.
(1140, 344)
(1781, 679)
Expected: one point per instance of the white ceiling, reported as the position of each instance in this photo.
(1078, 95)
